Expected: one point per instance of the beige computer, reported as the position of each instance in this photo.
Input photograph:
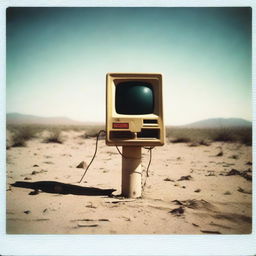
(134, 111)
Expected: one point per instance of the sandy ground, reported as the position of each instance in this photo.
(205, 201)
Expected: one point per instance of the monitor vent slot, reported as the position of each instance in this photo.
(150, 121)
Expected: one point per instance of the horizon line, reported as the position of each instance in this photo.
(102, 122)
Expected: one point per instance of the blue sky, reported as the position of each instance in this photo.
(57, 59)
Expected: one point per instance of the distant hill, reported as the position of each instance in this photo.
(17, 118)
(220, 123)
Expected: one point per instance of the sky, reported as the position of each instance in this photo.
(58, 58)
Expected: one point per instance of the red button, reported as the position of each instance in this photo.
(120, 125)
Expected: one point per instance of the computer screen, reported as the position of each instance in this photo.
(134, 98)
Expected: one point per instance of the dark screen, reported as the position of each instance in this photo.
(135, 98)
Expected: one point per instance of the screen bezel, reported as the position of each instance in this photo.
(153, 81)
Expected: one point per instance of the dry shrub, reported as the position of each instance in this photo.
(225, 136)
(92, 132)
(21, 134)
(246, 137)
(204, 143)
(54, 137)
(18, 140)
(242, 135)
(203, 136)
(180, 140)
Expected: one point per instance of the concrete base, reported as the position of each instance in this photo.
(131, 172)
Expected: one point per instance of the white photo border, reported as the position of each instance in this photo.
(116, 244)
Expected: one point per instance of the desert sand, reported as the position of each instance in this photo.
(191, 189)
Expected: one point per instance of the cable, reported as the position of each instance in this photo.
(96, 147)
(126, 156)
(150, 159)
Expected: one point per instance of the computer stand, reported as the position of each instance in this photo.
(131, 171)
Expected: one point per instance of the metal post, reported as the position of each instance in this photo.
(131, 171)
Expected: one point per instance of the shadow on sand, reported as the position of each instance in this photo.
(63, 188)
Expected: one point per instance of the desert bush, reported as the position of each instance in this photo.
(29, 131)
(21, 134)
(247, 140)
(18, 140)
(204, 136)
(195, 136)
(54, 137)
(242, 135)
(92, 131)
(224, 135)
(204, 142)
(245, 136)
(180, 140)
